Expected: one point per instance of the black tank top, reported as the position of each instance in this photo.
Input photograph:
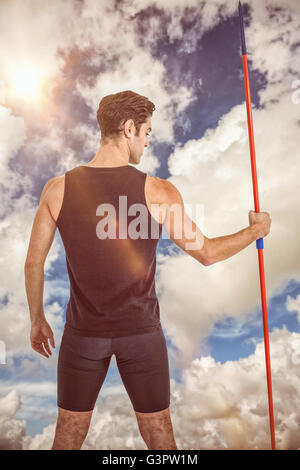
(111, 271)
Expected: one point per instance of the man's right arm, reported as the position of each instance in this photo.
(222, 248)
(209, 250)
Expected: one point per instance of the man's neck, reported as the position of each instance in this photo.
(109, 155)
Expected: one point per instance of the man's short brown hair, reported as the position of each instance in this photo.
(115, 109)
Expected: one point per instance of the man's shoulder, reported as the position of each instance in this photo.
(56, 181)
(52, 186)
(159, 184)
(156, 187)
(166, 191)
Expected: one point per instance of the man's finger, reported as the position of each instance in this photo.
(38, 348)
(51, 339)
(41, 351)
(46, 346)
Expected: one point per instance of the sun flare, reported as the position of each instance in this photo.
(26, 82)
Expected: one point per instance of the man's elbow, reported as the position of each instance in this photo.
(27, 267)
(206, 262)
(33, 264)
(205, 257)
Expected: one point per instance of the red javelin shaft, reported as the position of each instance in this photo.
(259, 242)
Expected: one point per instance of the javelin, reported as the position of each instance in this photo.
(259, 242)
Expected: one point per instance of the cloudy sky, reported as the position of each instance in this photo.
(57, 60)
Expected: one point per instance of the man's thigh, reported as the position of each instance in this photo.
(81, 370)
(143, 364)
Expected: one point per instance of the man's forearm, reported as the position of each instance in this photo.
(221, 248)
(34, 283)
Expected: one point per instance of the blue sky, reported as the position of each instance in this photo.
(192, 70)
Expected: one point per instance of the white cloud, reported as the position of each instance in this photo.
(293, 305)
(12, 431)
(272, 40)
(11, 137)
(47, 29)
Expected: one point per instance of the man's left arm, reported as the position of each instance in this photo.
(42, 235)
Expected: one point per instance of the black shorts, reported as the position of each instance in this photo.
(142, 361)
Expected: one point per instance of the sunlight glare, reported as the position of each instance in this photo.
(26, 83)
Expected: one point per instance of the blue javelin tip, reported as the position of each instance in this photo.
(242, 29)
